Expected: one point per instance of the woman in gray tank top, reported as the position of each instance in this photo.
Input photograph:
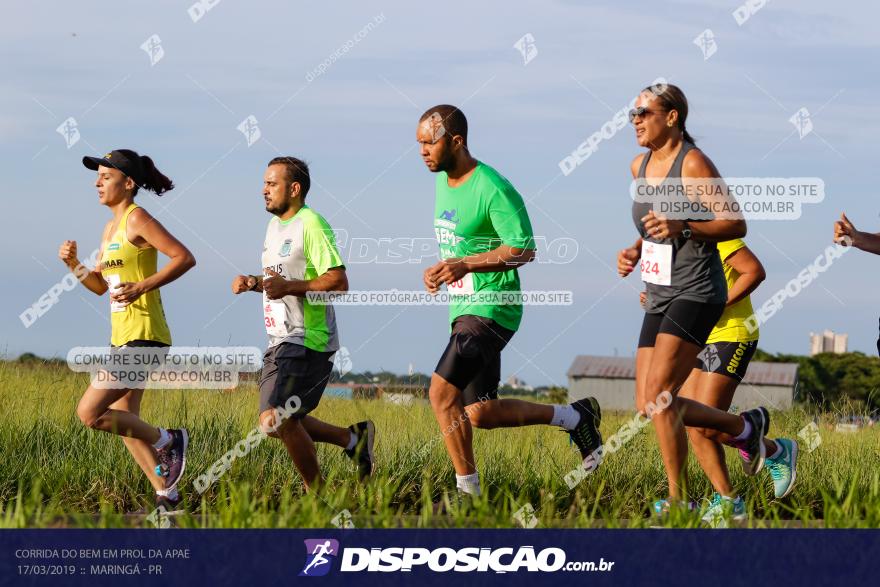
(686, 289)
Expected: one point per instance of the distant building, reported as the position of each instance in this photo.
(515, 382)
(827, 342)
(612, 381)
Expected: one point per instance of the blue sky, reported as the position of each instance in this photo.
(355, 124)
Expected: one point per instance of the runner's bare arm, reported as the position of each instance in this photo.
(869, 242)
(90, 278)
(635, 164)
(696, 167)
(699, 175)
(626, 258)
(142, 230)
(865, 241)
(243, 283)
(499, 259)
(277, 287)
(751, 274)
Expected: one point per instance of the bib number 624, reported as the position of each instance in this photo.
(649, 267)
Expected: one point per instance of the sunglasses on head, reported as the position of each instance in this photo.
(640, 112)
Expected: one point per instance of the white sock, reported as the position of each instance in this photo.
(468, 483)
(353, 440)
(164, 439)
(565, 416)
(169, 493)
(747, 430)
(778, 451)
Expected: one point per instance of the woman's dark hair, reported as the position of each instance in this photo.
(672, 98)
(150, 177)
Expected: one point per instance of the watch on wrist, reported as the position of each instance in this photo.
(256, 282)
(687, 232)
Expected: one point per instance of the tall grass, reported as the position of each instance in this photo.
(55, 472)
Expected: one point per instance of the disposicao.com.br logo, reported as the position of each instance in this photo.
(442, 560)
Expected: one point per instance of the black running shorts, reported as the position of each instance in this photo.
(141, 344)
(688, 320)
(727, 358)
(472, 359)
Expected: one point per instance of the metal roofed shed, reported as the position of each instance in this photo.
(611, 380)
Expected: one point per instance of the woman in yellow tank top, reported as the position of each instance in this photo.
(128, 269)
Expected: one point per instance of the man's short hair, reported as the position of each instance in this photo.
(452, 119)
(297, 171)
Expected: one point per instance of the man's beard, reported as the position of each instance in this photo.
(280, 209)
(446, 164)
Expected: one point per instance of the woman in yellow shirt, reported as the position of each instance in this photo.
(127, 267)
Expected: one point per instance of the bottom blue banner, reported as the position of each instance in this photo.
(433, 557)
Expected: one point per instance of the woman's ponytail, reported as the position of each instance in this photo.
(155, 180)
(687, 136)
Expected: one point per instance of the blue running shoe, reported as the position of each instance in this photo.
(783, 469)
(723, 509)
(662, 506)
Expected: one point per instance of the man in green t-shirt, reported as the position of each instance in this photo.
(484, 235)
(300, 256)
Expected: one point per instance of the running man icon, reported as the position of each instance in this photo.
(318, 552)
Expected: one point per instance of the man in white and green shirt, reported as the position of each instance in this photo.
(300, 256)
(484, 235)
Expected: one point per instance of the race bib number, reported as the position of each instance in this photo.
(274, 313)
(113, 282)
(464, 286)
(656, 264)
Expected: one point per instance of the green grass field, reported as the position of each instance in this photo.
(56, 473)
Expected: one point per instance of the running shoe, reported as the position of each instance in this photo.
(162, 514)
(783, 468)
(723, 509)
(362, 452)
(451, 504)
(752, 450)
(662, 506)
(165, 511)
(586, 434)
(172, 457)
(168, 506)
(172, 507)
